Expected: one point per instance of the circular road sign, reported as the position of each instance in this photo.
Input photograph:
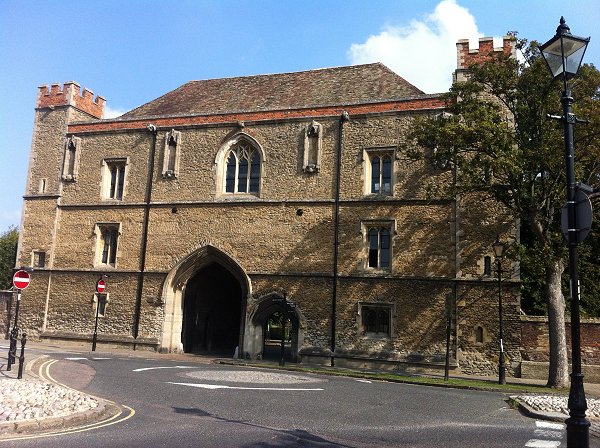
(100, 286)
(21, 279)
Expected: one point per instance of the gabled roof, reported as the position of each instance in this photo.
(325, 87)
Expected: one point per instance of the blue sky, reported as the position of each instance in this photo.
(132, 51)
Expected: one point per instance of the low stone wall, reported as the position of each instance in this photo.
(535, 348)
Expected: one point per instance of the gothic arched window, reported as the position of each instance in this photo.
(242, 169)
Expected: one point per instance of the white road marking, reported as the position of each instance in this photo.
(536, 443)
(549, 425)
(548, 435)
(169, 367)
(216, 386)
(75, 359)
(98, 359)
(364, 381)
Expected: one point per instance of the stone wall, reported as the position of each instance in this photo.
(281, 239)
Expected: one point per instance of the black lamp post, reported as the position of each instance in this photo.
(498, 247)
(563, 55)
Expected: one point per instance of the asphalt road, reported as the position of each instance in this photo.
(194, 404)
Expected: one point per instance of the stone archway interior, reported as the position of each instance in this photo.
(273, 329)
(212, 312)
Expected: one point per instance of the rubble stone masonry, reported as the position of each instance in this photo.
(279, 242)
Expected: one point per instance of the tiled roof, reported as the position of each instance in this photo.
(324, 87)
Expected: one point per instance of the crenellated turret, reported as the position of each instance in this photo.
(70, 95)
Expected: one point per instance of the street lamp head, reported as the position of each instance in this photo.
(498, 247)
(564, 52)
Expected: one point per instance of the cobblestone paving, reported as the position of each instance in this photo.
(549, 403)
(32, 399)
(245, 376)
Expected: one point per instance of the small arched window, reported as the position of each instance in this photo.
(242, 169)
(479, 335)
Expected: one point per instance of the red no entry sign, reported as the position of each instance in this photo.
(100, 286)
(21, 279)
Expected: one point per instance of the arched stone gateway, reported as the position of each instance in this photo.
(205, 297)
(269, 308)
(206, 301)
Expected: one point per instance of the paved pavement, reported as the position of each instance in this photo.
(37, 402)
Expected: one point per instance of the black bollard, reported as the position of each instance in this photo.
(12, 350)
(22, 357)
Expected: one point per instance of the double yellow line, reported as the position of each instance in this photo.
(121, 416)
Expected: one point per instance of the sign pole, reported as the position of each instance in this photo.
(100, 288)
(95, 337)
(12, 351)
(21, 280)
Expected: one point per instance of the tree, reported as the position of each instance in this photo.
(497, 140)
(8, 251)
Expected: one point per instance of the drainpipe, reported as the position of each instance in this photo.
(343, 118)
(140, 283)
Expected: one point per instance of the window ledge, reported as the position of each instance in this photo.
(378, 196)
(376, 336)
(232, 197)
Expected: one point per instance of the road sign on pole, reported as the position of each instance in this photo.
(21, 279)
(100, 286)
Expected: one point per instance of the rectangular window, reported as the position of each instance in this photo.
(39, 259)
(114, 179)
(379, 240)
(379, 169)
(117, 179)
(376, 320)
(487, 265)
(107, 244)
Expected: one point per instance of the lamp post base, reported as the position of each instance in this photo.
(502, 375)
(578, 427)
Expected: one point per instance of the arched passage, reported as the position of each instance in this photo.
(272, 309)
(205, 298)
(212, 312)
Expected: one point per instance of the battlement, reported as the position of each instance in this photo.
(486, 50)
(70, 95)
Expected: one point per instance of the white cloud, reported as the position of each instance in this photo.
(423, 52)
(109, 112)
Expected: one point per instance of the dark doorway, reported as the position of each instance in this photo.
(273, 330)
(212, 309)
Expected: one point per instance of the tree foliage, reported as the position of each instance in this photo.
(8, 251)
(496, 138)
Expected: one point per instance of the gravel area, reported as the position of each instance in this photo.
(251, 376)
(31, 399)
(549, 403)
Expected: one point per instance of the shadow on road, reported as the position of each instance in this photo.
(284, 438)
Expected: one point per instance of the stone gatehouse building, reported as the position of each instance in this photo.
(212, 206)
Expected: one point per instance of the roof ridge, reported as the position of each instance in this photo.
(332, 85)
(313, 70)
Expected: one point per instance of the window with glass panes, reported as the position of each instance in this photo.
(376, 320)
(113, 179)
(379, 247)
(242, 171)
(381, 173)
(109, 243)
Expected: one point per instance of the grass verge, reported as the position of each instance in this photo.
(457, 383)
